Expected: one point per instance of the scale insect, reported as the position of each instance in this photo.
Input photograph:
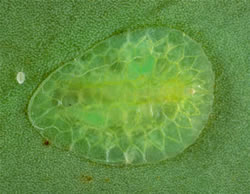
(20, 77)
(137, 97)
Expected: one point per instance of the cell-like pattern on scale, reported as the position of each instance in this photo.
(138, 97)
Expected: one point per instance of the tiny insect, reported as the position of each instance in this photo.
(20, 77)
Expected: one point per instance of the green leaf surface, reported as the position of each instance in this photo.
(36, 37)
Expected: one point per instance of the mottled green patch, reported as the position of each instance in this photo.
(136, 97)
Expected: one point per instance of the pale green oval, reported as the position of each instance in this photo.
(138, 97)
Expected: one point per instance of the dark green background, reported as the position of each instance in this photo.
(38, 36)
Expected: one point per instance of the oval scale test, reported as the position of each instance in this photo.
(137, 97)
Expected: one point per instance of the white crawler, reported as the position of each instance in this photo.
(193, 91)
(20, 77)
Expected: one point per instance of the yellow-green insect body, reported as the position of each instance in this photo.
(137, 97)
